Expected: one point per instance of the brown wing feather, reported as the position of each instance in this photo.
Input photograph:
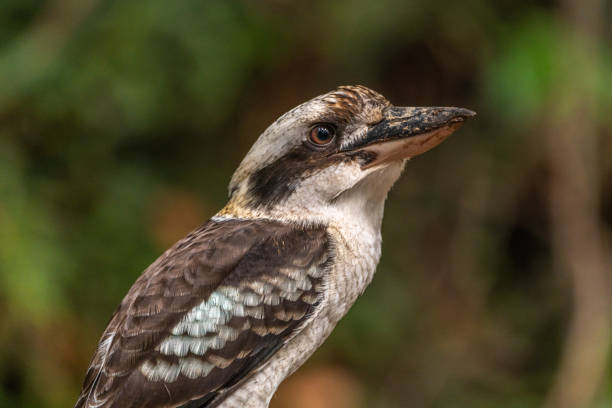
(205, 314)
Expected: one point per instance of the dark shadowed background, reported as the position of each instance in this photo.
(121, 123)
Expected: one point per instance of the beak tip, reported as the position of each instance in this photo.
(460, 115)
(465, 113)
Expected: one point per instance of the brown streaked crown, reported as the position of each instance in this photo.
(351, 101)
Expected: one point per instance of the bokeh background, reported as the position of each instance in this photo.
(121, 123)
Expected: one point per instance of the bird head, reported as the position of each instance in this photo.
(339, 152)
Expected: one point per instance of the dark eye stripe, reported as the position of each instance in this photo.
(279, 179)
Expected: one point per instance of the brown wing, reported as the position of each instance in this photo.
(207, 313)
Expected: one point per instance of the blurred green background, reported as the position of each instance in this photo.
(121, 123)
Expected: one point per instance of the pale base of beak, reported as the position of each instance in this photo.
(406, 148)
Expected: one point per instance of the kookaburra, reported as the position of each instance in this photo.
(226, 314)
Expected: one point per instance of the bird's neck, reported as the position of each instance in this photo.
(354, 213)
(361, 206)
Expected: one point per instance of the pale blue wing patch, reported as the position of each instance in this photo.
(205, 328)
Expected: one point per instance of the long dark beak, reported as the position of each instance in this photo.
(407, 132)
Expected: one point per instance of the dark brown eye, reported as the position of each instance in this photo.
(322, 135)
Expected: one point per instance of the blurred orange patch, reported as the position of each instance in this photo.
(323, 386)
(173, 214)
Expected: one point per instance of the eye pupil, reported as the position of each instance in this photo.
(322, 134)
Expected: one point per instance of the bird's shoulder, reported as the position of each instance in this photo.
(206, 313)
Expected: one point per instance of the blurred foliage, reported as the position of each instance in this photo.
(121, 123)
